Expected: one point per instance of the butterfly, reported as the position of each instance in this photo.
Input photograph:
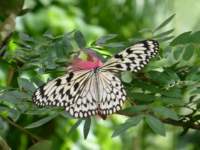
(92, 87)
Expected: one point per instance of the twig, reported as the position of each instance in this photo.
(180, 123)
(32, 136)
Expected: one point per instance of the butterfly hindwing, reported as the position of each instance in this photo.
(111, 93)
(133, 58)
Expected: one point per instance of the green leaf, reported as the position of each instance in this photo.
(126, 76)
(165, 38)
(41, 121)
(133, 121)
(86, 127)
(75, 126)
(178, 51)
(134, 109)
(143, 97)
(188, 52)
(166, 112)
(181, 39)
(26, 85)
(104, 39)
(156, 125)
(195, 37)
(80, 40)
(42, 145)
(163, 34)
(171, 100)
(172, 92)
(114, 45)
(13, 96)
(164, 23)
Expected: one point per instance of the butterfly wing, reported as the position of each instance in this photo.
(133, 58)
(83, 93)
(65, 90)
(111, 93)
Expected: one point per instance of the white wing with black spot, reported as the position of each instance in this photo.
(111, 93)
(63, 90)
(133, 58)
(83, 93)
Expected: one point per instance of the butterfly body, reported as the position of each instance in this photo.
(91, 87)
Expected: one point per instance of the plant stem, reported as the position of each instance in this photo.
(32, 136)
(180, 123)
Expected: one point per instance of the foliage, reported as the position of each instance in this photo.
(166, 91)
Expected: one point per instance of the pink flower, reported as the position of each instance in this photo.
(92, 62)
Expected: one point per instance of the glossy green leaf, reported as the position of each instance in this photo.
(86, 127)
(133, 121)
(155, 124)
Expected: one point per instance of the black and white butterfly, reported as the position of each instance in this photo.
(96, 91)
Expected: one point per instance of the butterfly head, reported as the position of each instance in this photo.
(87, 60)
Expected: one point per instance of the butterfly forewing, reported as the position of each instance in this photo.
(62, 90)
(133, 58)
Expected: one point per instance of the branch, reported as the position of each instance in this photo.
(32, 136)
(180, 123)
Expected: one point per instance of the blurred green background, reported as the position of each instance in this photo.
(94, 18)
